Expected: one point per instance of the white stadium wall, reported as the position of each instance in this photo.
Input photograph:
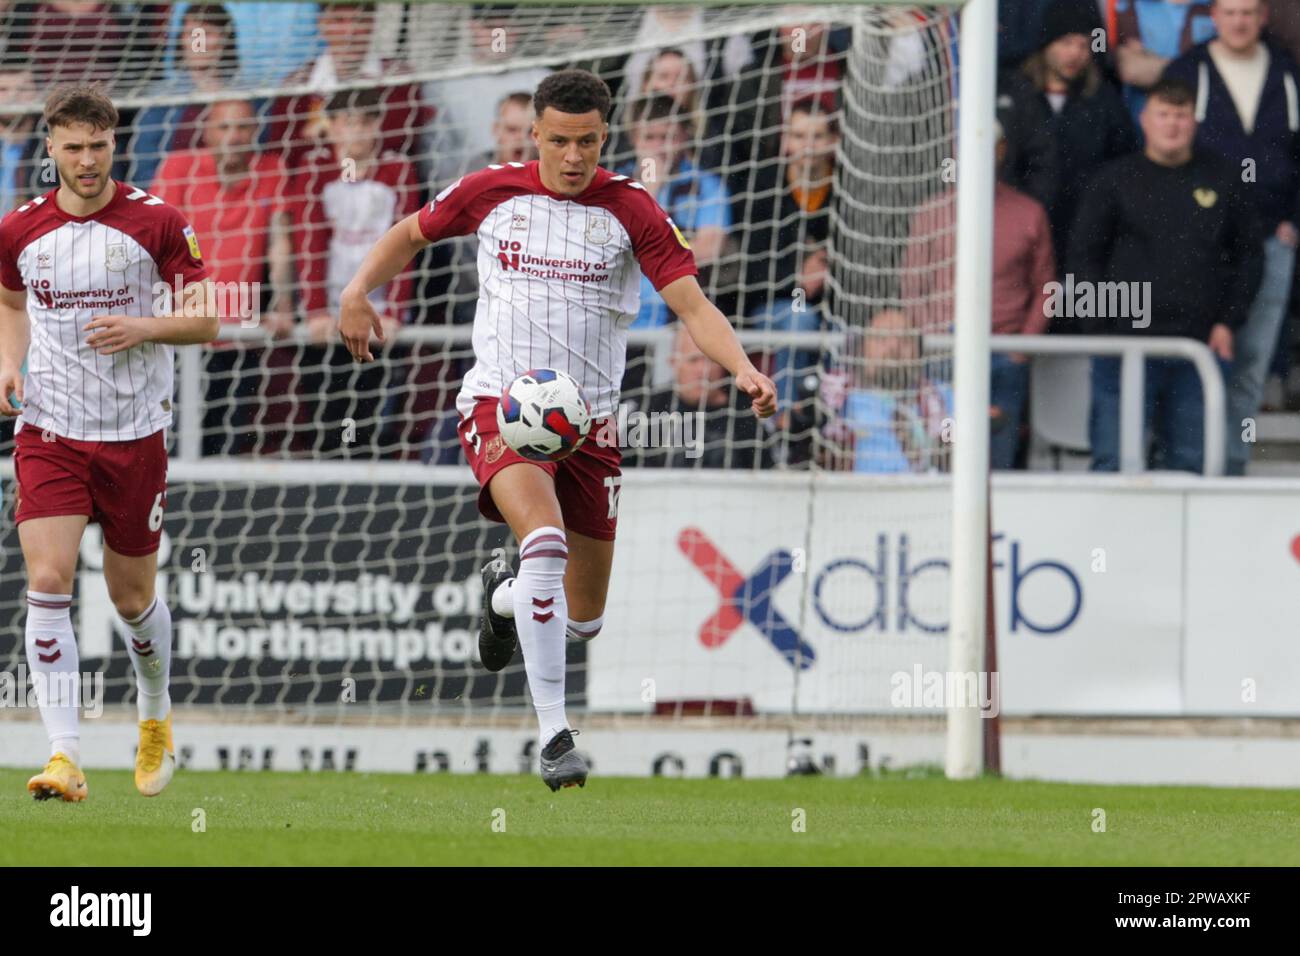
(1116, 597)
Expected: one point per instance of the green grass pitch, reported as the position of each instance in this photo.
(354, 818)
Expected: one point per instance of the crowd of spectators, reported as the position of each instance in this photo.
(1140, 141)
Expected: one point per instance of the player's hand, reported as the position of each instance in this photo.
(320, 327)
(759, 388)
(358, 320)
(11, 380)
(110, 334)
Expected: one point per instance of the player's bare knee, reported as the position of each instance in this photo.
(526, 517)
(49, 580)
(131, 600)
(584, 607)
(586, 612)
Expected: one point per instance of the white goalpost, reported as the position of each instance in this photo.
(780, 589)
(972, 327)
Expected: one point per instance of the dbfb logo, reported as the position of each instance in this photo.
(1042, 596)
(891, 591)
(74, 908)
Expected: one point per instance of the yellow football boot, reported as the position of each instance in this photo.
(61, 778)
(155, 758)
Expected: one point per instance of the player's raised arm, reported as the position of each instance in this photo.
(716, 339)
(15, 334)
(357, 317)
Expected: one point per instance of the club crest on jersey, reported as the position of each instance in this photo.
(496, 447)
(597, 228)
(116, 258)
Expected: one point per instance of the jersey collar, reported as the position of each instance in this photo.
(535, 178)
(119, 192)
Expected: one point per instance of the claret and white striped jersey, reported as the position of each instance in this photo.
(77, 268)
(559, 277)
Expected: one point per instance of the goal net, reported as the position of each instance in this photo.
(780, 588)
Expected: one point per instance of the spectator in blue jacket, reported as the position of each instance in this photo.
(695, 200)
(276, 38)
(1149, 34)
(1248, 110)
(891, 413)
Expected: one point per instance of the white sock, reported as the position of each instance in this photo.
(541, 614)
(503, 603)
(503, 600)
(55, 666)
(584, 630)
(150, 650)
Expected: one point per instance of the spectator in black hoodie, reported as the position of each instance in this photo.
(1248, 110)
(1060, 90)
(1170, 228)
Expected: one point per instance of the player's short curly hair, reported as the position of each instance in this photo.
(573, 91)
(80, 103)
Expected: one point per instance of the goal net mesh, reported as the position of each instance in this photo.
(322, 542)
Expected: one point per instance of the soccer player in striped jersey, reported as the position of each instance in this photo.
(83, 274)
(562, 246)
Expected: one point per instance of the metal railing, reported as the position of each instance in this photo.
(190, 360)
(1132, 351)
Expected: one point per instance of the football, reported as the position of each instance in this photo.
(543, 415)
